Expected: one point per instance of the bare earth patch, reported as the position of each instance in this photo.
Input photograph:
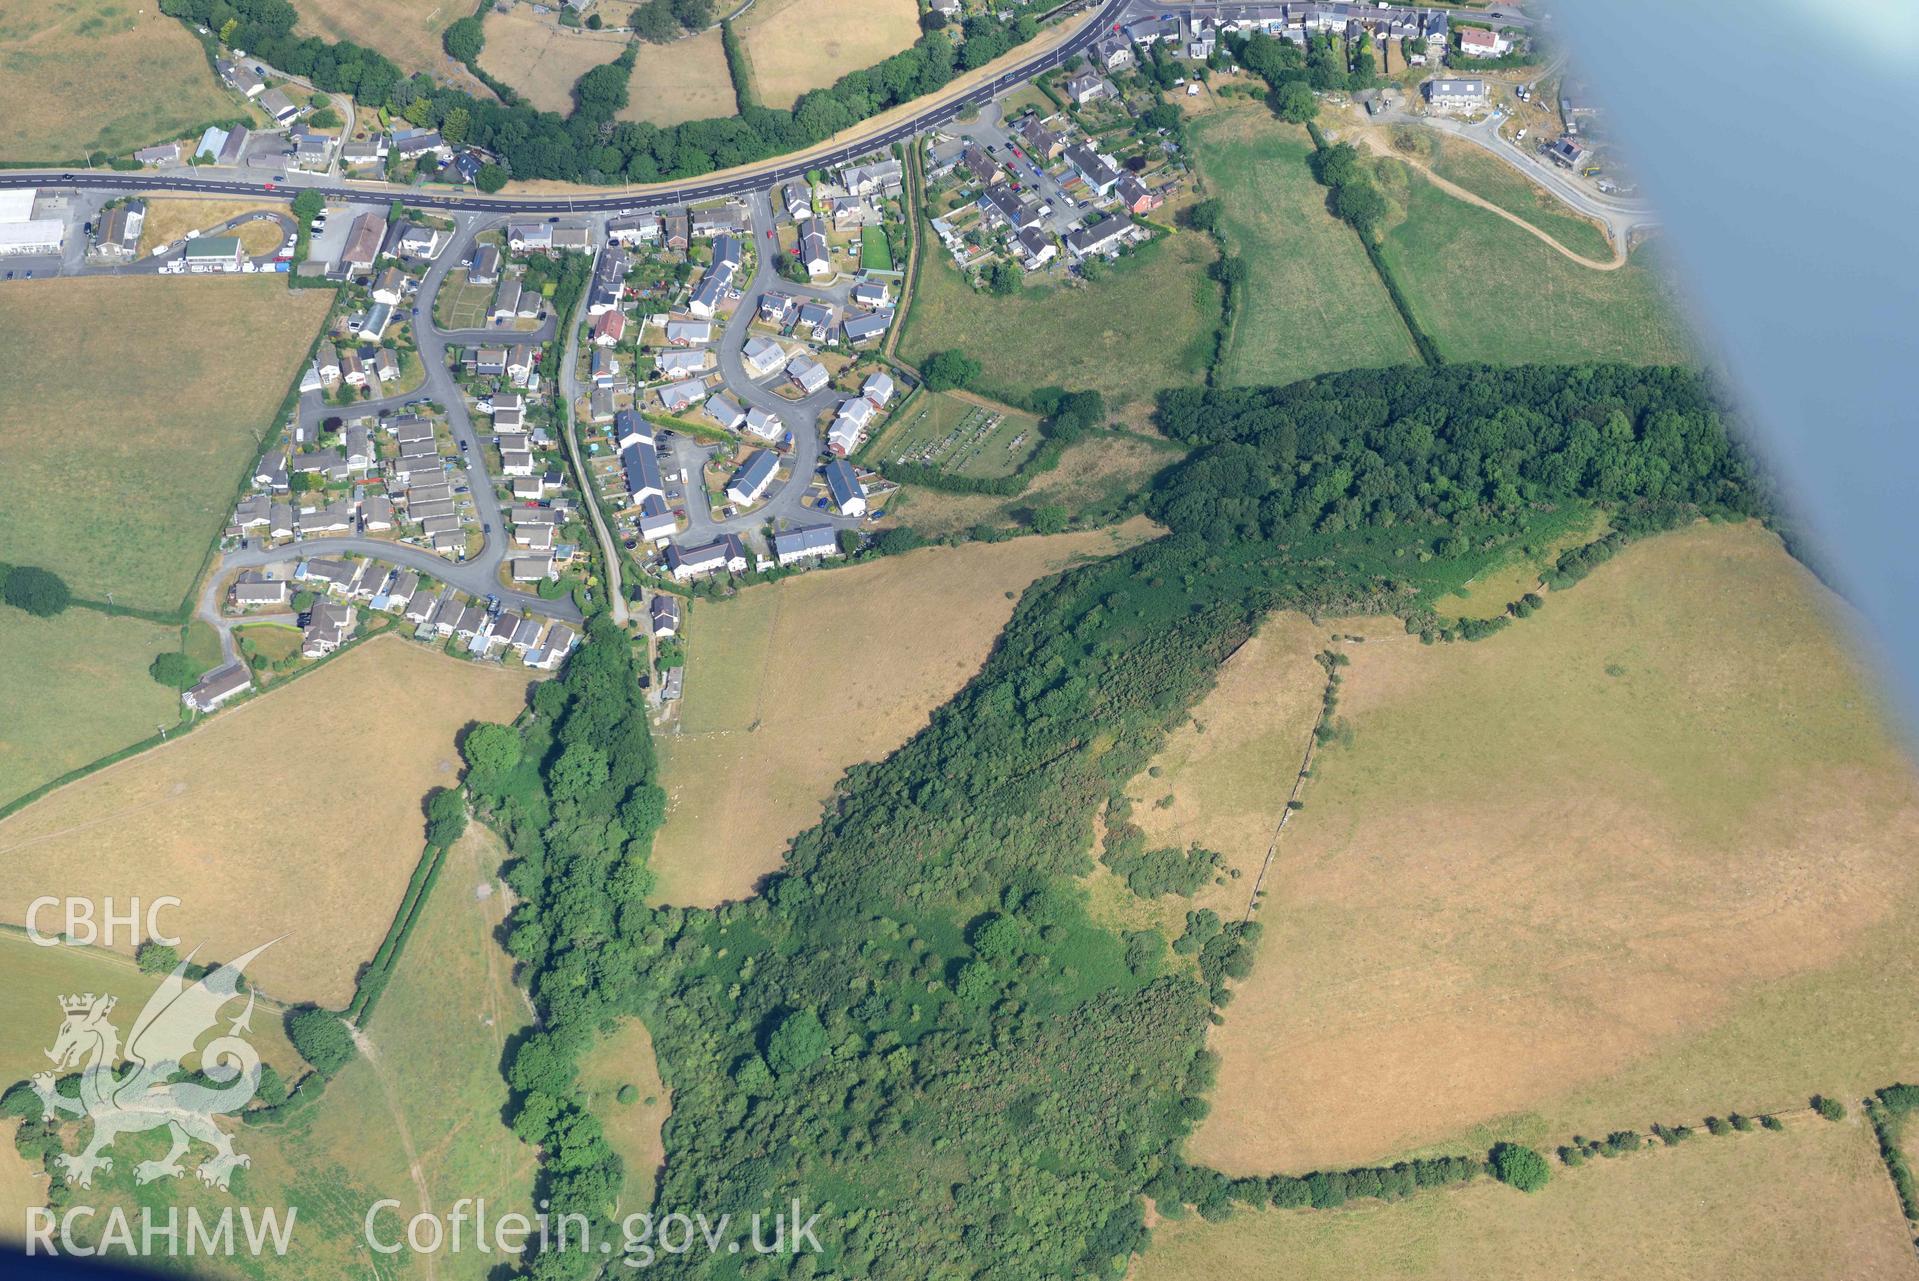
(297, 813)
(1553, 867)
(1813, 1201)
(789, 684)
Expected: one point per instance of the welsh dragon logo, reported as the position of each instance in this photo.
(146, 1095)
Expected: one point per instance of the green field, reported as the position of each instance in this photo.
(1487, 291)
(418, 1121)
(1146, 325)
(461, 305)
(1312, 303)
(75, 688)
(78, 76)
(1486, 177)
(964, 436)
(875, 253)
(131, 407)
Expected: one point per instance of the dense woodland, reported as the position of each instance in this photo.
(589, 145)
(917, 1029)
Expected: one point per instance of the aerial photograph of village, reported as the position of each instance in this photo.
(930, 639)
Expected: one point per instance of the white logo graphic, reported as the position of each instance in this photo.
(148, 1097)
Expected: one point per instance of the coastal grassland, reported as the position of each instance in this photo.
(684, 80)
(1507, 579)
(1641, 855)
(57, 60)
(76, 688)
(868, 651)
(1812, 1201)
(797, 45)
(1485, 290)
(1312, 302)
(297, 813)
(132, 406)
(1146, 324)
(1485, 176)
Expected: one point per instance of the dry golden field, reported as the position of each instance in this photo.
(171, 217)
(1813, 1201)
(407, 31)
(114, 381)
(1646, 853)
(789, 684)
(684, 80)
(295, 814)
(1227, 772)
(797, 45)
(633, 1129)
(540, 58)
(83, 75)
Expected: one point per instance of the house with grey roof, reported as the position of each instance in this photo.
(725, 554)
(218, 687)
(664, 611)
(1094, 169)
(762, 356)
(808, 374)
(843, 485)
(865, 327)
(806, 542)
(754, 477)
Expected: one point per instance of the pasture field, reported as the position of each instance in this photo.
(1812, 1201)
(542, 59)
(964, 434)
(420, 1118)
(171, 217)
(1485, 176)
(296, 813)
(37, 977)
(407, 31)
(1505, 581)
(684, 80)
(1485, 290)
(767, 669)
(797, 45)
(55, 59)
(416, 1118)
(198, 366)
(1228, 771)
(624, 1058)
(1643, 855)
(76, 688)
(1097, 474)
(1147, 324)
(1312, 302)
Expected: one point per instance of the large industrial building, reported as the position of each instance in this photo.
(22, 233)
